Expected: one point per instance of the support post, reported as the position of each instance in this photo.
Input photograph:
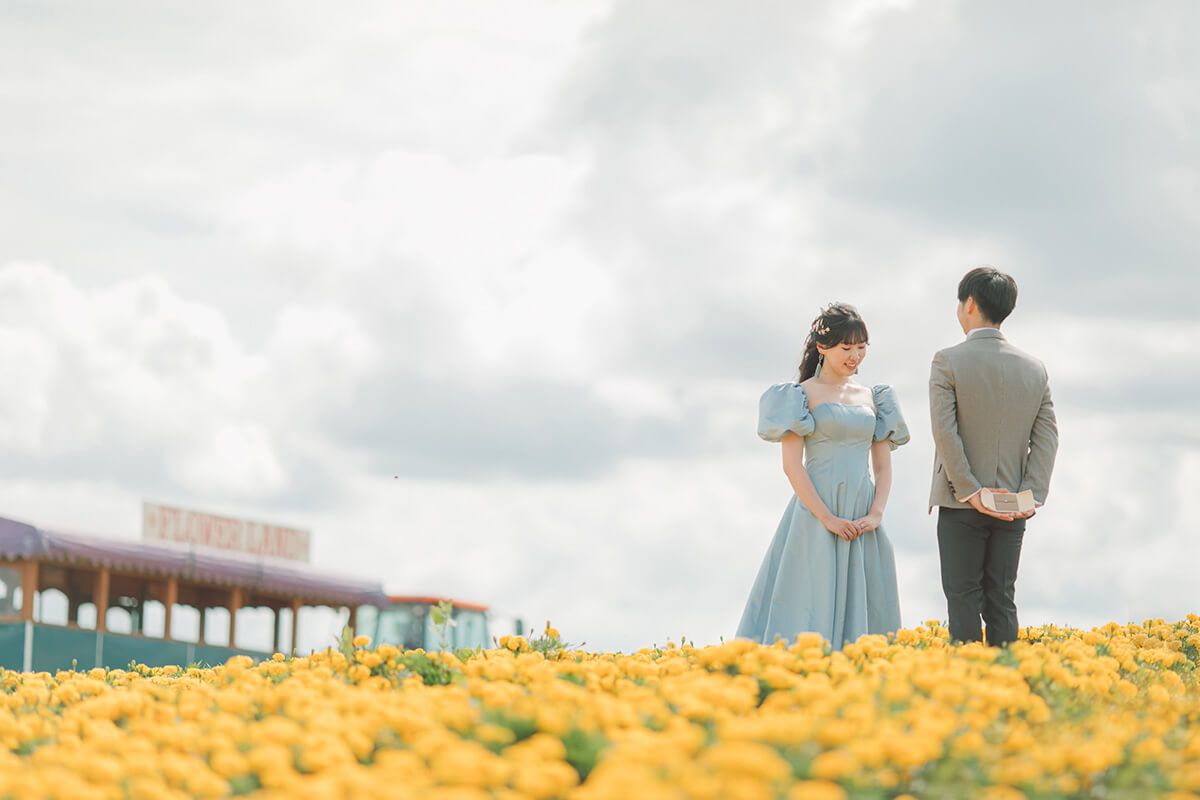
(203, 617)
(295, 624)
(275, 646)
(353, 619)
(169, 603)
(235, 602)
(100, 599)
(29, 587)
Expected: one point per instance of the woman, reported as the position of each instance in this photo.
(830, 568)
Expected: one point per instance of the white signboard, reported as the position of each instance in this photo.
(209, 530)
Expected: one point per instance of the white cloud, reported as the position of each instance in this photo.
(314, 357)
(467, 217)
(129, 382)
(24, 414)
(477, 239)
(132, 357)
(237, 460)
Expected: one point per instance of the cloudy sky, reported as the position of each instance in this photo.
(485, 293)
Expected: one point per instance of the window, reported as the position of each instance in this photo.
(471, 630)
(367, 623)
(404, 626)
(10, 584)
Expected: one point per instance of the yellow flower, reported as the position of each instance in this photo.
(494, 734)
(228, 763)
(539, 747)
(809, 640)
(746, 758)
(698, 722)
(1002, 793)
(469, 764)
(543, 779)
(833, 765)
(816, 790)
(1151, 748)
(100, 769)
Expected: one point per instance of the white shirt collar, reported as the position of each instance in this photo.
(977, 330)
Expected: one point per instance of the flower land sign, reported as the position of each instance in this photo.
(166, 523)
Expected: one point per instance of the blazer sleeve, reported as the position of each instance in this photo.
(1043, 447)
(943, 412)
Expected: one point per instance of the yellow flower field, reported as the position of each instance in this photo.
(1111, 712)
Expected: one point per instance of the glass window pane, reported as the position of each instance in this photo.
(367, 623)
(403, 626)
(10, 589)
(471, 630)
(433, 637)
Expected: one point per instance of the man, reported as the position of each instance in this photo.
(994, 427)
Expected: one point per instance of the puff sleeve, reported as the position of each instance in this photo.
(889, 422)
(783, 409)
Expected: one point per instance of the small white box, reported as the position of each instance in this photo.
(1007, 502)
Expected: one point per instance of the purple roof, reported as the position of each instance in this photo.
(193, 564)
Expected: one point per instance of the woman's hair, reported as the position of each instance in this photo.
(838, 324)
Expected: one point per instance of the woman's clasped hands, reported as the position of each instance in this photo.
(851, 529)
(869, 523)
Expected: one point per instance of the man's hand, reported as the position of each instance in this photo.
(976, 501)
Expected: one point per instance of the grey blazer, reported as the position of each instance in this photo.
(993, 420)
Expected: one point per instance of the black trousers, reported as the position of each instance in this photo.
(979, 556)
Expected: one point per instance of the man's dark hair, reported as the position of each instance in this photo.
(995, 292)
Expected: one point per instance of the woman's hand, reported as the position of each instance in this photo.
(839, 527)
(868, 523)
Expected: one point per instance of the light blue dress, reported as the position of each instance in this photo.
(810, 579)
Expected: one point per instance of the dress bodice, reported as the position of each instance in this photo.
(838, 434)
(784, 408)
(840, 430)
